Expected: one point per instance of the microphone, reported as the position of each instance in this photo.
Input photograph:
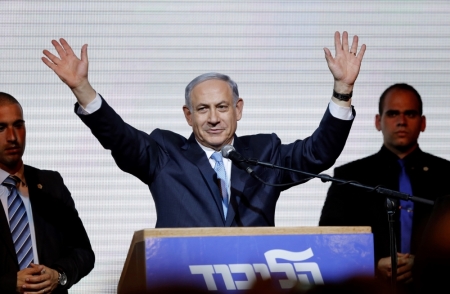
(229, 152)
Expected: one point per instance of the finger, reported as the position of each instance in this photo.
(59, 48)
(404, 262)
(52, 57)
(354, 47)
(39, 267)
(33, 270)
(36, 286)
(84, 55)
(337, 42)
(345, 41)
(328, 55)
(66, 46)
(404, 276)
(361, 52)
(50, 64)
(37, 279)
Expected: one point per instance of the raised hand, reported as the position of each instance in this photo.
(346, 64)
(71, 70)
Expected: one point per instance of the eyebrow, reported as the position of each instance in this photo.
(16, 121)
(398, 111)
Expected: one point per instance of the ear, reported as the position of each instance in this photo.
(423, 124)
(378, 122)
(187, 115)
(239, 108)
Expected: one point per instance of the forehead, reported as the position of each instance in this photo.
(400, 100)
(211, 90)
(10, 112)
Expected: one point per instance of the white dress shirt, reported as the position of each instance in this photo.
(22, 189)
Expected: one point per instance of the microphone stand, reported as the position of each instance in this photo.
(391, 208)
(390, 204)
(326, 178)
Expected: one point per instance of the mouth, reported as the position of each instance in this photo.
(214, 131)
(401, 133)
(12, 149)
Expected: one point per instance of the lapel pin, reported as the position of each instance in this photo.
(425, 168)
(39, 186)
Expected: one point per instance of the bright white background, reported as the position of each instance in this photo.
(143, 53)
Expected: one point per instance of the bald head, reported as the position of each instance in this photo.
(7, 99)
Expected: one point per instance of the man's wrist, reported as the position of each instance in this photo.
(62, 278)
(342, 88)
(84, 93)
(342, 97)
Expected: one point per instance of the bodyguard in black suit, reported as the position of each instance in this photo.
(400, 119)
(61, 251)
(179, 171)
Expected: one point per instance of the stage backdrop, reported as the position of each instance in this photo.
(143, 53)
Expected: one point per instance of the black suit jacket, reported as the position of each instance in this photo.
(350, 206)
(62, 241)
(183, 183)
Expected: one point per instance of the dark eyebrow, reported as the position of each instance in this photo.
(392, 111)
(407, 112)
(412, 111)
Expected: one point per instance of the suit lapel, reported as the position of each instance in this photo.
(238, 180)
(32, 178)
(5, 236)
(194, 153)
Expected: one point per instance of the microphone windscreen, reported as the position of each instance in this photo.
(226, 150)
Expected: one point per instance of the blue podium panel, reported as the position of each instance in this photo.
(222, 264)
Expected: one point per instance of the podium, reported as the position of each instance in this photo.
(231, 260)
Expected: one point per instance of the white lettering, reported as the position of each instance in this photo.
(293, 267)
(226, 275)
(207, 271)
(246, 269)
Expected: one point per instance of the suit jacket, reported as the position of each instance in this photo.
(183, 183)
(62, 242)
(351, 206)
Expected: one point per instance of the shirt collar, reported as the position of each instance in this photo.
(209, 151)
(19, 174)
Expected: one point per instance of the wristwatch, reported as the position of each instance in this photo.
(62, 278)
(342, 97)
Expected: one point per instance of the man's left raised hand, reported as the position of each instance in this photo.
(346, 64)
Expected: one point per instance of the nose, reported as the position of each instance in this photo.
(11, 135)
(213, 117)
(401, 119)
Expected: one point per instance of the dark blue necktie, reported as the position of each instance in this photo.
(406, 210)
(18, 224)
(219, 168)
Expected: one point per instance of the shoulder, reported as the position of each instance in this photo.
(31, 170)
(43, 181)
(258, 139)
(435, 160)
(358, 164)
(160, 135)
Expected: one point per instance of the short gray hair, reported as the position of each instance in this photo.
(210, 76)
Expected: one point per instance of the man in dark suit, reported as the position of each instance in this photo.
(191, 188)
(401, 121)
(43, 244)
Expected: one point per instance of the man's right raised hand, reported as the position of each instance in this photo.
(71, 70)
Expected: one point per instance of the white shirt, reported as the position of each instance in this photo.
(23, 193)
